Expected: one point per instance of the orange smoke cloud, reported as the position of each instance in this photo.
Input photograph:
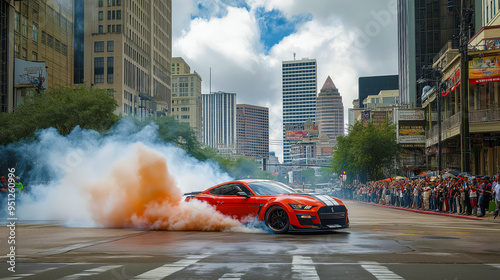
(140, 193)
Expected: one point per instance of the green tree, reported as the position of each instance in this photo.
(62, 108)
(366, 151)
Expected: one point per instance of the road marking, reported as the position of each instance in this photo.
(379, 271)
(168, 269)
(91, 272)
(304, 268)
(496, 265)
(18, 276)
(232, 276)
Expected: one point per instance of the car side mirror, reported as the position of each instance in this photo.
(242, 194)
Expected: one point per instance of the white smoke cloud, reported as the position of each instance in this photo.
(123, 179)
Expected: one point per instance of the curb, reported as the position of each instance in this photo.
(424, 212)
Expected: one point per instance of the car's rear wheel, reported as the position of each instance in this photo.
(277, 219)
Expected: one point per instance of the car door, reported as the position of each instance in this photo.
(230, 203)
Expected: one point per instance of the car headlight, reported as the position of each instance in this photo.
(301, 206)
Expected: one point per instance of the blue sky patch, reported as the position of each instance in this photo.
(274, 26)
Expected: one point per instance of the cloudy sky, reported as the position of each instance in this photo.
(245, 42)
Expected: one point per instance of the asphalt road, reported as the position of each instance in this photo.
(382, 243)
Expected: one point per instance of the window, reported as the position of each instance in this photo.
(24, 29)
(99, 70)
(34, 56)
(16, 22)
(109, 28)
(101, 15)
(113, 28)
(34, 34)
(109, 15)
(110, 69)
(101, 3)
(101, 29)
(230, 189)
(50, 41)
(118, 2)
(58, 45)
(99, 46)
(64, 49)
(119, 14)
(111, 46)
(44, 35)
(113, 17)
(119, 28)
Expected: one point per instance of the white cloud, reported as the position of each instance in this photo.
(342, 36)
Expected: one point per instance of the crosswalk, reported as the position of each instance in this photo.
(201, 267)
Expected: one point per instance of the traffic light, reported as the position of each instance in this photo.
(264, 161)
(344, 172)
(340, 175)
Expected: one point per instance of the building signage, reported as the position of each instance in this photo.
(411, 134)
(28, 73)
(379, 118)
(298, 132)
(484, 70)
(411, 115)
(492, 44)
(451, 83)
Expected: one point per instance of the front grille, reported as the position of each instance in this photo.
(333, 215)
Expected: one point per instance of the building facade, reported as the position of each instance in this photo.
(252, 131)
(42, 35)
(219, 121)
(7, 13)
(186, 95)
(424, 27)
(299, 96)
(127, 49)
(330, 111)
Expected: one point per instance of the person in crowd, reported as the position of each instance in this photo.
(3, 185)
(484, 195)
(496, 195)
(426, 194)
(473, 195)
(461, 197)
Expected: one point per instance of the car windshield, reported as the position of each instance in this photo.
(270, 188)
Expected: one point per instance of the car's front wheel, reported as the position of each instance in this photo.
(277, 219)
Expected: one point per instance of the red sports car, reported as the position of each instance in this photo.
(281, 207)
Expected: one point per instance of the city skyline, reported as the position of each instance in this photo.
(244, 44)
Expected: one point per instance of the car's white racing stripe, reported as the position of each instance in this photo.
(327, 200)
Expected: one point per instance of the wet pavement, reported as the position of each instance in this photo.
(382, 243)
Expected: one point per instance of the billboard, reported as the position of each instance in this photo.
(298, 132)
(411, 115)
(484, 70)
(411, 134)
(451, 83)
(29, 73)
(379, 117)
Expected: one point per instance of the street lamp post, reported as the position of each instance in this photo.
(436, 78)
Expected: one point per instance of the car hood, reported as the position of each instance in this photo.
(310, 199)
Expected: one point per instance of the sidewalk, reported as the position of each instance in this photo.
(488, 216)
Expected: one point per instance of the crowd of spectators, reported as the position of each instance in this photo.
(461, 195)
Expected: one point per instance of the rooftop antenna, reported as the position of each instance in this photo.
(294, 54)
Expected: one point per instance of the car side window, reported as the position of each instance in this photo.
(230, 189)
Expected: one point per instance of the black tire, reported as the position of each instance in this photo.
(277, 219)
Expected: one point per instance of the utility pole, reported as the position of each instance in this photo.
(466, 17)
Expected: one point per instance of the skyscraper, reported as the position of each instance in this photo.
(7, 12)
(252, 131)
(219, 121)
(299, 96)
(186, 95)
(127, 49)
(424, 28)
(330, 111)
